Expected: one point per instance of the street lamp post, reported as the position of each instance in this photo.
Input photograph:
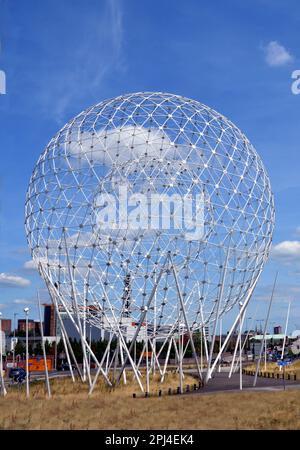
(240, 345)
(26, 311)
(14, 352)
(3, 390)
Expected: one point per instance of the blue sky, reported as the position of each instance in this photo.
(61, 56)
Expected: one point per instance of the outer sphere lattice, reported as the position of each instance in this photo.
(160, 143)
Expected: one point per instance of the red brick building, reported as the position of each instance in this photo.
(6, 326)
(22, 325)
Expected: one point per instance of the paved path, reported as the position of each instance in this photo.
(221, 383)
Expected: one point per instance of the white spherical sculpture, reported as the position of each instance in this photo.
(140, 180)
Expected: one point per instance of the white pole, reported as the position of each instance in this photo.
(14, 351)
(220, 344)
(241, 321)
(180, 356)
(79, 327)
(26, 310)
(105, 355)
(220, 296)
(166, 360)
(4, 392)
(43, 347)
(204, 332)
(236, 321)
(122, 361)
(186, 321)
(147, 359)
(56, 292)
(201, 350)
(285, 332)
(240, 338)
(141, 320)
(85, 360)
(265, 354)
(265, 332)
(90, 343)
(155, 357)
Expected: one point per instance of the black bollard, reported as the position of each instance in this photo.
(134, 395)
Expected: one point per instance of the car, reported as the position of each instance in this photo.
(18, 374)
(65, 366)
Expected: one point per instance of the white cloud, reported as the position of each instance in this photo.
(22, 301)
(8, 280)
(125, 144)
(277, 55)
(287, 251)
(30, 265)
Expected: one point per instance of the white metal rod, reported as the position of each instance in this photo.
(265, 332)
(63, 333)
(236, 345)
(141, 320)
(152, 344)
(27, 358)
(101, 362)
(82, 336)
(4, 392)
(186, 321)
(209, 369)
(147, 360)
(43, 347)
(285, 332)
(236, 321)
(220, 344)
(76, 327)
(240, 339)
(166, 361)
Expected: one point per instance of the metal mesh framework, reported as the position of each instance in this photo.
(161, 143)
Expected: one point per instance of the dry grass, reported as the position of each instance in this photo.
(274, 368)
(70, 408)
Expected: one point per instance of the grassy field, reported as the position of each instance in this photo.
(273, 367)
(70, 408)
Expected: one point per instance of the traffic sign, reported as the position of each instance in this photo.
(283, 363)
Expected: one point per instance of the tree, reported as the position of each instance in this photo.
(19, 348)
(38, 348)
(48, 347)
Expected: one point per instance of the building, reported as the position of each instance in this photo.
(22, 325)
(127, 325)
(6, 326)
(50, 320)
(37, 328)
(2, 341)
(278, 330)
(276, 341)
